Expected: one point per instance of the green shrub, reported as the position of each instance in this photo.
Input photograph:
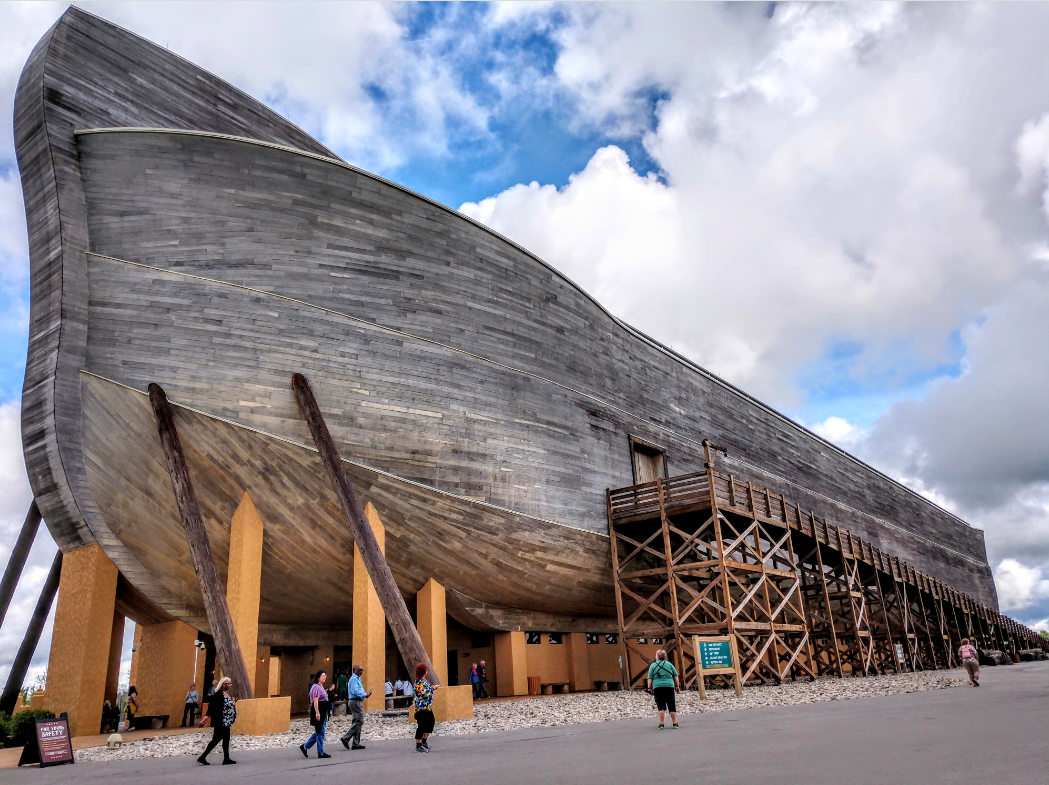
(19, 728)
(5, 728)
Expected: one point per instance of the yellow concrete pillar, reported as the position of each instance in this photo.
(162, 668)
(511, 664)
(244, 580)
(432, 620)
(578, 663)
(79, 660)
(369, 621)
(116, 643)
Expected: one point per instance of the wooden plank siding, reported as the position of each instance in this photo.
(482, 401)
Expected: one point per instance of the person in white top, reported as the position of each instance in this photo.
(397, 687)
(389, 689)
(408, 688)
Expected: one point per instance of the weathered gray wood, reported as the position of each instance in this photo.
(404, 631)
(32, 637)
(219, 619)
(455, 361)
(19, 553)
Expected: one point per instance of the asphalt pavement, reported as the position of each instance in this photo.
(994, 734)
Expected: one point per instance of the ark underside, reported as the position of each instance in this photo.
(182, 233)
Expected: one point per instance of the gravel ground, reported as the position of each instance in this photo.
(552, 710)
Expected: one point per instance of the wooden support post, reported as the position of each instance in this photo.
(826, 594)
(671, 580)
(32, 637)
(222, 629)
(19, 554)
(624, 656)
(404, 632)
(432, 617)
(244, 584)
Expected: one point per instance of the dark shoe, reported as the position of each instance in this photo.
(420, 748)
(203, 761)
(426, 745)
(305, 752)
(323, 755)
(976, 684)
(229, 762)
(345, 743)
(357, 747)
(676, 725)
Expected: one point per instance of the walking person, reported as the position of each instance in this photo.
(475, 681)
(191, 708)
(663, 681)
(341, 683)
(319, 707)
(222, 709)
(424, 719)
(483, 675)
(355, 689)
(131, 708)
(970, 661)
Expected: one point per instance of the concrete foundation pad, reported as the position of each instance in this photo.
(450, 703)
(260, 716)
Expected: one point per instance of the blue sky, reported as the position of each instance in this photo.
(839, 208)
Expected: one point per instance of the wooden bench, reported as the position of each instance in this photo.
(149, 721)
(562, 687)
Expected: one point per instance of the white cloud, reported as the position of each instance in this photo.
(839, 431)
(1019, 586)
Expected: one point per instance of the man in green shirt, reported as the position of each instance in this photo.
(341, 684)
(664, 684)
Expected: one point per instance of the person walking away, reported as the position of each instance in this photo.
(475, 680)
(222, 710)
(357, 695)
(319, 707)
(424, 719)
(663, 681)
(192, 699)
(341, 684)
(388, 690)
(483, 674)
(970, 661)
(131, 708)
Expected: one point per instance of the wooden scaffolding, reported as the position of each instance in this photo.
(704, 554)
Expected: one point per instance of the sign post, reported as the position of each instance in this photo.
(50, 744)
(714, 656)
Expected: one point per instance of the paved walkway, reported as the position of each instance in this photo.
(994, 734)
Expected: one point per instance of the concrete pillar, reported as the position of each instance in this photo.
(432, 620)
(511, 664)
(116, 643)
(369, 621)
(80, 641)
(244, 580)
(162, 668)
(578, 662)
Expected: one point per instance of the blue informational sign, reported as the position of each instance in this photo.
(715, 654)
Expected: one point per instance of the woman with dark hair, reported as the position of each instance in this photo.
(319, 706)
(423, 708)
(222, 709)
(132, 707)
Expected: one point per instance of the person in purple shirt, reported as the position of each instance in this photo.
(319, 706)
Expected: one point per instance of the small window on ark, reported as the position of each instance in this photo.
(556, 638)
(534, 638)
(592, 638)
(612, 638)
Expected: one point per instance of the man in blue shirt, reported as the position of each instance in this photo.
(355, 692)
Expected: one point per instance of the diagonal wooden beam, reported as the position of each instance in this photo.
(226, 643)
(405, 633)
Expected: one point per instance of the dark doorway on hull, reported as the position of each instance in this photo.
(649, 461)
(453, 667)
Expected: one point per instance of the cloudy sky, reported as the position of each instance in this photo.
(842, 209)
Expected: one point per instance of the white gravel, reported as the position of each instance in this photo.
(547, 711)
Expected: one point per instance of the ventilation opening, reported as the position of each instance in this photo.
(650, 462)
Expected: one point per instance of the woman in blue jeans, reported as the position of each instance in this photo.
(319, 706)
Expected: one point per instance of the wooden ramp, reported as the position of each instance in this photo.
(703, 554)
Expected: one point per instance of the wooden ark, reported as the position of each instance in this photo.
(182, 233)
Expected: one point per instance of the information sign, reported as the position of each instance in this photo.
(52, 738)
(715, 656)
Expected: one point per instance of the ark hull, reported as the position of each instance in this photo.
(181, 233)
